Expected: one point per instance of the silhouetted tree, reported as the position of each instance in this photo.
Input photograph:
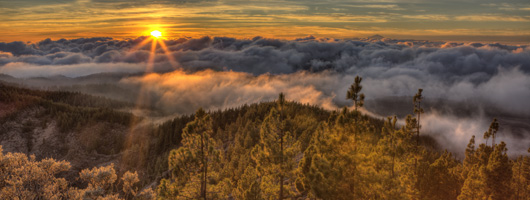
(281, 104)
(418, 110)
(492, 132)
(354, 93)
(358, 101)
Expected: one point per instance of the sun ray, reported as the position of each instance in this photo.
(143, 100)
(170, 57)
(152, 55)
(139, 46)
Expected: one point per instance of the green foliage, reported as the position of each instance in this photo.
(498, 174)
(71, 110)
(487, 172)
(193, 164)
(443, 180)
(248, 187)
(521, 178)
(249, 152)
(237, 129)
(23, 97)
(274, 157)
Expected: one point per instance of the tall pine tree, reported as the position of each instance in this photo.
(418, 110)
(354, 93)
(274, 155)
(191, 163)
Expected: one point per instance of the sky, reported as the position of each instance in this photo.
(448, 20)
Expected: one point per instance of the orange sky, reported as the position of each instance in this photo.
(471, 20)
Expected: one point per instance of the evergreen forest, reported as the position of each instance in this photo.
(271, 150)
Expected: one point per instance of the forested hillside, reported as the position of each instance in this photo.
(82, 129)
(270, 150)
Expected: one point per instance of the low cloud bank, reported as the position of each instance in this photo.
(24, 70)
(450, 62)
(183, 92)
(217, 73)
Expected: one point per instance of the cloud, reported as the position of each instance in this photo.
(379, 6)
(25, 70)
(18, 48)
(479, 79)
(491, 18)
(506, 92)
(454, 133)
(485, 73)
(183, 92)
(5, 54)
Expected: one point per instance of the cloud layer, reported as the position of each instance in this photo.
(490, 74)
(261, 55)
(493, 80)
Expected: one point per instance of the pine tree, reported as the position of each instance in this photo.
(326, 169)
(390, 128)
(526, 176)
(274, 154)
(190, 162)
(281, 104)
(471, 160)
(492, 132)
(487, 170)
(248, 187)
(442, 180)
(358, 101)
(473, 188)
(498, 174)
(316, 178)
(418, 111)
(520, 183)
(413, 164)
(354, 93)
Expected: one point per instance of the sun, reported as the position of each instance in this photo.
(156, 33)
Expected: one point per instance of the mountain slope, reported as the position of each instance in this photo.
(82, 129)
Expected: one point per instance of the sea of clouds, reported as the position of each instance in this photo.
(488, 80)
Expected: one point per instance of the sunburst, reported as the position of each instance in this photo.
(143, 99)
(156, 33)
(155, 39)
